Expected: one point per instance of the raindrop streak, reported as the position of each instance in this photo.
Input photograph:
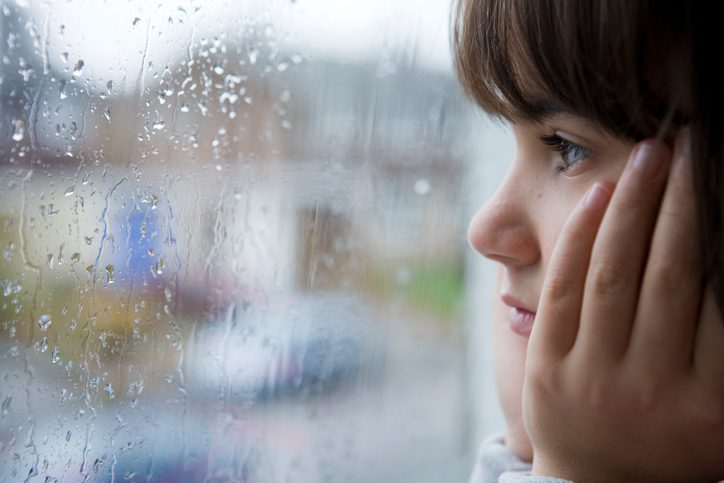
(18, 129)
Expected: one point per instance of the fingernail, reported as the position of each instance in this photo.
(597, 196)
(648, 159)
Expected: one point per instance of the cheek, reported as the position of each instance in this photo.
(559, 202)
(554, 208)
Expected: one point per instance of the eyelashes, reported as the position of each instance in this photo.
(571, 153)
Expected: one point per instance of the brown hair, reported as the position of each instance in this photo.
(638, 68)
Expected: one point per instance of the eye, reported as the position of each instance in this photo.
(571, 153)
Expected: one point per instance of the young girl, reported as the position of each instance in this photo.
(608, 233)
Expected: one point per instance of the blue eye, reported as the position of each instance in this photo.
(571, 153)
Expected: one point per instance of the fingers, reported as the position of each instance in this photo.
(709, 349)
(619, 253)
(555, 328)
(671, 291)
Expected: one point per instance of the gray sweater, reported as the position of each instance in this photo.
(496, 464)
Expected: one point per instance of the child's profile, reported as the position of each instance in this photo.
(608, 235)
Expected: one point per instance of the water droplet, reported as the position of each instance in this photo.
(422, 186)
(282, 66)
(75, 257)
(88, 240)
(78, 69)
(43, 346)
(109, 87)
(184, 107)
(109, 274)
(61, 89)
(107, 113)
(135, 21)
(68, 435)
(18, 129)
(158, 125)
(55, 355)
(157, 268)
(218, 70)
(50, 261)
(44, 322)
(6, 404)
(69, 191)
(108, 388)
(151, 199)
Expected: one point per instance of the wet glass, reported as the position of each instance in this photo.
(233, 242)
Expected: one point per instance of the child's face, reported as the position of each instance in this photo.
(556, 162)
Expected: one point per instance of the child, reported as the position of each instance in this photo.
(608, 234)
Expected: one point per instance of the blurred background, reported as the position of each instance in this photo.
(233, 243)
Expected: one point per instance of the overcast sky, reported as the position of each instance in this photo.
(111, 37)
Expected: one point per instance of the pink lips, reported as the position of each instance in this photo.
(521, 321)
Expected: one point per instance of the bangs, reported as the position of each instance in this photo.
(528, 59)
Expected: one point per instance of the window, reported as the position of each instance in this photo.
(233, 239)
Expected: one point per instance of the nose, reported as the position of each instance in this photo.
(503, 230)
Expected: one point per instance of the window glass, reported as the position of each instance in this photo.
(233, 242)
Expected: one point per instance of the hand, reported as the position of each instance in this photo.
(625, 366)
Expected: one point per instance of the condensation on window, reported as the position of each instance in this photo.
(232, 241)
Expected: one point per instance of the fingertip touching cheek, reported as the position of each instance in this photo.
(556, 162)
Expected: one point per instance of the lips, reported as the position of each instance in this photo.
(520, 319)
